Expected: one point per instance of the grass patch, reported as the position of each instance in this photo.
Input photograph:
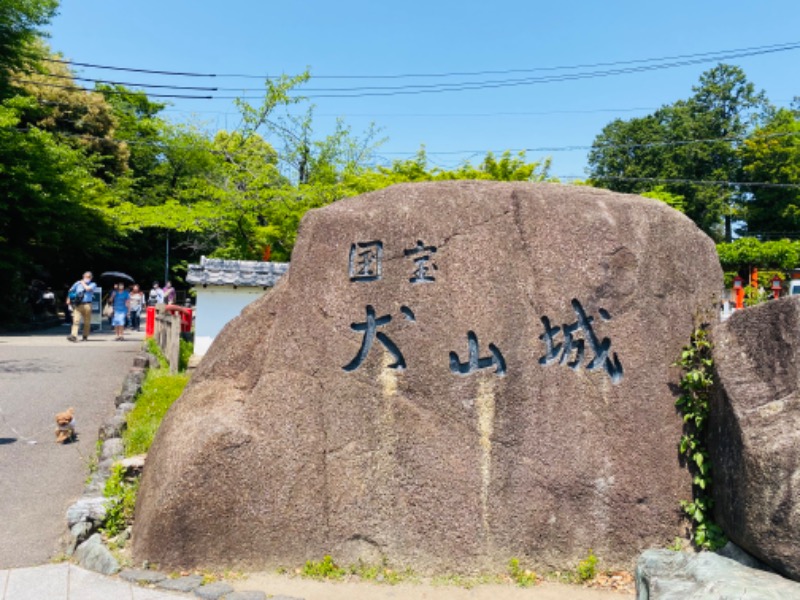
(159, 390)
(186, 351)
(152, 348)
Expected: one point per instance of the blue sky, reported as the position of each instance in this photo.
(390, 38)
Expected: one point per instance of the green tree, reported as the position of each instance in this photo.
(686, 147)
(20, 27)
(772, 154)
(50, 225)
(79, 118)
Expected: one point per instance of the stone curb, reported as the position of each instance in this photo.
(86, 515)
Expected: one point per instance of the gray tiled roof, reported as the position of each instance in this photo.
(243, 273)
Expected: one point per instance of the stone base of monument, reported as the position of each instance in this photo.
(451, 374)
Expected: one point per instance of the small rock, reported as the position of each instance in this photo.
(142, 576)
(104, 469)
(112, 449)
(124, 408)
(91, 508)
(96, 485)
(668, 575)
(246, 596)
(93, 555)
(733, 552)
(213, 591)
(113, 427)
(182, 584)
(78, 533)
(124, 398)
(141, 361)
(133, 464)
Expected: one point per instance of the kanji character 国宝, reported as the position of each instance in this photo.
(474, 361)
(612, 366)
(423, 262)
(366, 261)
(369, 327)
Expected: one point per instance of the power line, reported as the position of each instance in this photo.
(375, 91)
(126, 83)
(706, 56)
(73, 88)
(416, 89)
(761, 184)
(128, 69)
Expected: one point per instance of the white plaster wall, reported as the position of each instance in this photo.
(216, 305)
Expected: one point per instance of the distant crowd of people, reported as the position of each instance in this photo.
(123, 306)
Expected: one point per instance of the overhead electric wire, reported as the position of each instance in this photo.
(128, 69)
(415, 89)
(149, 85)
(375, 91)
(73, 88)
(710, 55)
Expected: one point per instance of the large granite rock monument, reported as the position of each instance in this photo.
(754, 432)
(450, 375)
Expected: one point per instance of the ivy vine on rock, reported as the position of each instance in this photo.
(693, 403)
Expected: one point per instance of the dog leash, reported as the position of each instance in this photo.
(25, 438)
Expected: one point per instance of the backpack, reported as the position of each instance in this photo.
(76, 293)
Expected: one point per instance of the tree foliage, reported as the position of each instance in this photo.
(20, 24)
(772, 154)
(686, 148)
(742, 253)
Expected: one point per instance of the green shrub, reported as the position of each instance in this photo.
(186, 351)
(522, 577)
(587, 568)
(121, 494)
(324, 569)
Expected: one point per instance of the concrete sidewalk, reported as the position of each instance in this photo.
(65, 581)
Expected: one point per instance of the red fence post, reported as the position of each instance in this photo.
(150, 322)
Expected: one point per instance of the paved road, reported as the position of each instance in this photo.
(41, 373)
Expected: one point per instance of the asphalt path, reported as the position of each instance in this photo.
(41, 373)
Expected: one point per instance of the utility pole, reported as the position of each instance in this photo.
(166, 262)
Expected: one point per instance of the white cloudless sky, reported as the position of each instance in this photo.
(368, 38)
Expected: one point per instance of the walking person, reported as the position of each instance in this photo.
(156, 295)
(169, 293)
(120, 300)
(135, 306)
(80, 299)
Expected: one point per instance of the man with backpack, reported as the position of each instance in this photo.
(80, 298)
